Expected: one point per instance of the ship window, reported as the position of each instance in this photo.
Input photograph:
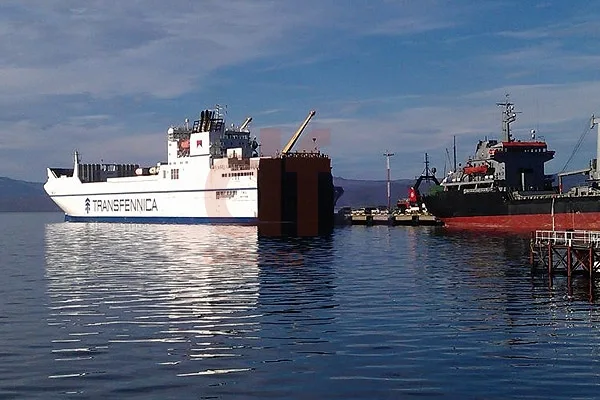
(225, 194)
(175, 173)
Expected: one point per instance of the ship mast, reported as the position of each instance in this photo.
(76, 161)
(387, 155)
(595, 173)
(509, 115)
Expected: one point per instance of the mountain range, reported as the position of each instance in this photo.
(16, 195)
(367, 193)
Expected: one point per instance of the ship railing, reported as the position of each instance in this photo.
(306, 154)
(568, 238)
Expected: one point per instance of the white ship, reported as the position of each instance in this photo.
(211, 176)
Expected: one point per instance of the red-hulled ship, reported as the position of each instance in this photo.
(504, 187)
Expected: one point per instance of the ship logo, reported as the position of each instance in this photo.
(198, 143)
(87, 205)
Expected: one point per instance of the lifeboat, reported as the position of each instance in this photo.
(476, 170)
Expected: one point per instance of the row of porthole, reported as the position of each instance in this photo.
(234, 174)
(225, 194)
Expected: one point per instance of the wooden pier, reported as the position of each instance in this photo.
(566, 251)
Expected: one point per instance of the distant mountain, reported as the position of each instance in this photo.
(18, 195)
(363, 193)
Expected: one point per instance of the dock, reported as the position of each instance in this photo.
(566, 251)
(393, 219)
(416, 220)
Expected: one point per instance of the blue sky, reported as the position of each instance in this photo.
(109, 77)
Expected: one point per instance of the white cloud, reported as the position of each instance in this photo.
(162, 49)
(357, 144)
(68, 66)
(566, 29)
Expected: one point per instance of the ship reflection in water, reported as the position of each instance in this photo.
(192, 300)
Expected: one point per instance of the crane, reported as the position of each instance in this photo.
(245, 124)
(294, 139)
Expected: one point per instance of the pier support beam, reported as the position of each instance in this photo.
(566, 252)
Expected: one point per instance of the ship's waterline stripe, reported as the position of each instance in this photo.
(527, 222)
(166, 220)
(149, 192)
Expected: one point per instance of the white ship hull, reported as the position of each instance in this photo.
(155, 200)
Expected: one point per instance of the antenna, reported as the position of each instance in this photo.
(387, 155)
(509, 115)
(454, 147)
(221, 110)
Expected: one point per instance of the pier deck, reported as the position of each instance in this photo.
(566, 251)
(394, 219)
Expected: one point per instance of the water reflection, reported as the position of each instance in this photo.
(378, 312)
(297, 283)
(182, 303)
(505, 254)
(181, 298)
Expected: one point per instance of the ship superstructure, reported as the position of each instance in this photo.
(211, 175)
(504, 185)
(507, 165)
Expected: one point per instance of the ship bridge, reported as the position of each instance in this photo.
(508, 163)
(209, 136)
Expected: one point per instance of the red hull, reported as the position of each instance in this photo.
(527, 222)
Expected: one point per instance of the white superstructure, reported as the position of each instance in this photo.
(210, 175)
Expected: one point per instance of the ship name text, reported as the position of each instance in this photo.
(125, 205)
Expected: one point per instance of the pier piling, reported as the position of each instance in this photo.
(566, 252)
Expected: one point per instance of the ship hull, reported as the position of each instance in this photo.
(164, 220)
(291, 195)
(501, 211)
(108, 202)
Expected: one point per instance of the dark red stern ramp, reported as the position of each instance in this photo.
(295, 195)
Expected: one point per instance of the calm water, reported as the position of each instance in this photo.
(203, 312)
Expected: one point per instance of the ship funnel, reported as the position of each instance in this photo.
(204, 123)
(209, 120)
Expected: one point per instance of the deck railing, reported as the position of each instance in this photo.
(569, 238)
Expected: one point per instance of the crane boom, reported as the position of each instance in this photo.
(245, 124)
(294, 138)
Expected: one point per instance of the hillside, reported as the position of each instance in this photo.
(18, 195)
(361, 193)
